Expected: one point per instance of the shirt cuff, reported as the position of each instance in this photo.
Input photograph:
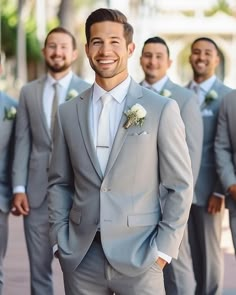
(55, 248)
(164, 256)
(19, 189)
(219, 195)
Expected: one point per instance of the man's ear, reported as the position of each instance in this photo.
(131, 48)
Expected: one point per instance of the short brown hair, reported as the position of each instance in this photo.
(113, 15)
(64, 31)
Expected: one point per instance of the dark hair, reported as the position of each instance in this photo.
(208, 40)
(64, 31)
(113, 15)
(157, 40)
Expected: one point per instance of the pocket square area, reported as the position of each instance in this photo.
(207, 113)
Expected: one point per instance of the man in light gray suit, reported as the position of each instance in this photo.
(206, 215)
(7, 122)
(225, 150)
(33, 146)
(117, 208)
(155, 61)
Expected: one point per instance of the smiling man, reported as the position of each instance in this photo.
(207, 213)
(38, 104)
(120, 178)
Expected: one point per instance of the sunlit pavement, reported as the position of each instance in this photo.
(17, 269)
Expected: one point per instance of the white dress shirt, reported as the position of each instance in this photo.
(47, 99)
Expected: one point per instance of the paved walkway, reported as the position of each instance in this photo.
(17, 269)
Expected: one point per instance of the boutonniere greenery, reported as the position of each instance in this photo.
(211, 95)
(135, 116)
(72, 94)
(166, 93)
(9, 113)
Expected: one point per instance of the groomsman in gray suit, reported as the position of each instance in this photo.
(207, 213)
(155, 61)
(120, 183)
(225, 149)
(8, 108)
(39, 101)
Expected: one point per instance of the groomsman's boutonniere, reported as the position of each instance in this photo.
(135, 116)
(72, 94)
(166, 93)
(211, 95)
(9, 113)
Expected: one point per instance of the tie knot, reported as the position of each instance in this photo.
(106, 98)
(55, 86)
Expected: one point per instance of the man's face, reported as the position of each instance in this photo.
(204, 59)
(108, 52)
(59, 53)
(154, 62)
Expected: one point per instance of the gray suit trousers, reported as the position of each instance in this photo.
(178, 275)
(95, 276)
(3, 243)
(205, 237)
(39, 250)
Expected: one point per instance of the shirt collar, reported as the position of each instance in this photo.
(158, 86)
(64, 82)
(118, 93)
(205, 85)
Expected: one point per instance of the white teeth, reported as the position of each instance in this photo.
(105, 61)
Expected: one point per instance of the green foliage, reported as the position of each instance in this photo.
(9, 20)
(221, 6)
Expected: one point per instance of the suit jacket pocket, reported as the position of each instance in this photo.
(148, 219)
(75, 216)
(138, 138)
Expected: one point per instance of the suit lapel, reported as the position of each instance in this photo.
(84, 109)
(39, 101)
(132, 97)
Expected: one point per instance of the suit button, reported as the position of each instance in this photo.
(104, 189)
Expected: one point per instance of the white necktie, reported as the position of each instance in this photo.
(55, 103)
(103, 134)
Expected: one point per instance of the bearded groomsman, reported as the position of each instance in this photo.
(38, 104)
(155, 61)
(206, 214)
(7, 122)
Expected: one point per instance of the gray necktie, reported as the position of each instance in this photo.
(103, 134)
(55, 103)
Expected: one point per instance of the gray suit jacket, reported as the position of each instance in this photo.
(225, 145)
(6, 151)
(191, 116)
(33, 140)
(208, 181)
(142, 202)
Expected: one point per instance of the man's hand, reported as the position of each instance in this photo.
(161, 262)
(232, 192)
(215, 204)
(20, 205)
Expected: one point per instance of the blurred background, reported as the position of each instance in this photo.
(25, 23)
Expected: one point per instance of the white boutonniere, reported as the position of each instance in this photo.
(211, 95)
(9, 113)
(72, 94)
(135, 116)
(166, 93)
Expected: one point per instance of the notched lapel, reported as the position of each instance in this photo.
(133, 96)
(84, 114)
(39, 99)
